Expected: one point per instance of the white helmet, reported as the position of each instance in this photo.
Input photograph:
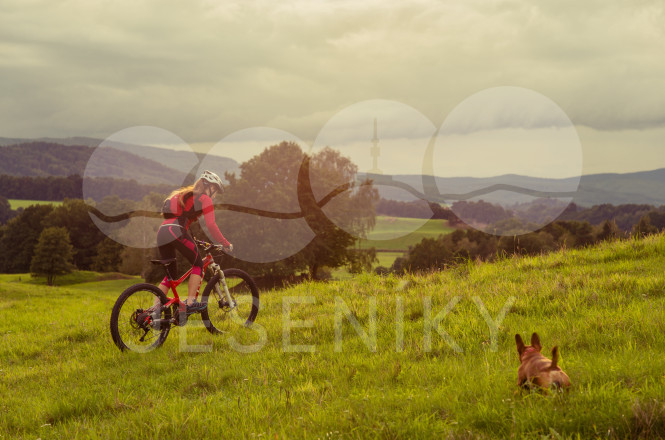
(213, 179)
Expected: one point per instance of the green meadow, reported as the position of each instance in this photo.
(16, 203)
(398, 233)
(392, 236)
(427, 356)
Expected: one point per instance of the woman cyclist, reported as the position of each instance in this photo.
(180, 209)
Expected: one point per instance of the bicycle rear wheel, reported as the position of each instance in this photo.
(133, 326)
(220, 316)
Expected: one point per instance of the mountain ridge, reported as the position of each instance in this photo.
(62, 157)
(94, 158)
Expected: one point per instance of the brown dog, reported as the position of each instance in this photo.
(536, 369)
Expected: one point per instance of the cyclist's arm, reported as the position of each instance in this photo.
(209, 217)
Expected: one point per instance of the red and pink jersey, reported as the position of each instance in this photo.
(194, 207)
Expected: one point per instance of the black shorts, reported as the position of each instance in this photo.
(173, 236)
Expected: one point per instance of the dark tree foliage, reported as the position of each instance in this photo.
(625, 216)
(470, 244)
(651, 223)
(53, 254)
(108, 257)
(413, 209)
(6, 212)
(481, 212)
(282, 179)
(20, 237)
(71, 187)
(84, 234)
(657, 219)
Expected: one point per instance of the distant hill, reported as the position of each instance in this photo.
(41, 159)
(80, 141)
(63, 157)
(150, 165)
(645, 187)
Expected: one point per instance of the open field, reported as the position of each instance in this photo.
(407, 232)
(16, 204)
(386, 259)
(372, 357)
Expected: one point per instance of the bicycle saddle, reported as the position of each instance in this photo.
(164, 262)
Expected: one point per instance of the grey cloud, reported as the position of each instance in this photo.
(203, 69)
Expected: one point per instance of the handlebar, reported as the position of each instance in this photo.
(207, 247)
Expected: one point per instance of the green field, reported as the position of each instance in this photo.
(386, 259)
(16, 203)
(371, 357)
(408, 231)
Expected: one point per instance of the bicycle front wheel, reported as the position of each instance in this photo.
(134, 324)
(220, 316)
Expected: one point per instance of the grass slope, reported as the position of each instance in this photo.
(377, 375)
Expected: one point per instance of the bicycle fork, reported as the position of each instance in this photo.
(230, 302)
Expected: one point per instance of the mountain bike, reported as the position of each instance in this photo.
(138, 324)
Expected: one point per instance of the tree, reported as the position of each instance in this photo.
(362, 260)
(20, 237)
(85, 235)
(53, 254)
(644, 228)
(6, 212)
(298, 213)
(108, 258)
(344, 218)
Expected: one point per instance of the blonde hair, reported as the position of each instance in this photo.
(197, 188)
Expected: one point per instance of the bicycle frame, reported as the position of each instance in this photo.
(208, 261)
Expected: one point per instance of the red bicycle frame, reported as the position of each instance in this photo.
(174, 283)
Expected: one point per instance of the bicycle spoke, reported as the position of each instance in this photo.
(131, 321)
(223, 315)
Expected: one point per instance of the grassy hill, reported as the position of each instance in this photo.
(316, 374)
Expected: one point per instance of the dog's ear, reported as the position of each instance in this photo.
(555, 358)
(535, 342)
(520, 344)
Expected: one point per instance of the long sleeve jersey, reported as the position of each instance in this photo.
(194, 207)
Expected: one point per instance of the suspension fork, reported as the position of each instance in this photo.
(222, 280)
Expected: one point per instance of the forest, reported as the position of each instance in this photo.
(93, 250)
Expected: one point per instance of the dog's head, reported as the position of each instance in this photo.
(523, 350)
(536, 369)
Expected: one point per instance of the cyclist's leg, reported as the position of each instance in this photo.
(166, 238)
(193, 287)
(185, 244)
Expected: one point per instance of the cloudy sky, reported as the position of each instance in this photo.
(206, 70)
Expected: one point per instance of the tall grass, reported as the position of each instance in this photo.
(371, 357)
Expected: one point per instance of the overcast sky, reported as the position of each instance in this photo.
(206, 69)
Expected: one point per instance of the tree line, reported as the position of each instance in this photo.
(465, 245)
(414, 209)
(287, 247)
(54, 188)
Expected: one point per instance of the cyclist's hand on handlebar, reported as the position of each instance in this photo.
(228, 249)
